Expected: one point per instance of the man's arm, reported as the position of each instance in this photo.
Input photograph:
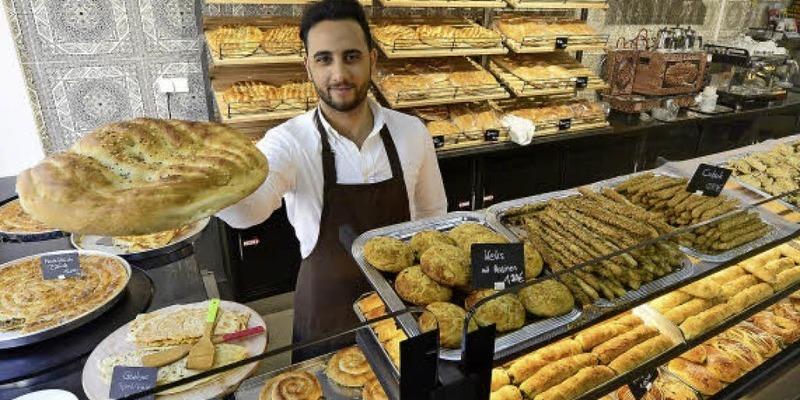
(429, 194)
(258, 206)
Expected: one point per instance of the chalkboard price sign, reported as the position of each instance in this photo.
(497, 266)
(641, 385)
(561, 43)
(581, 82)
(491, 135)
(709, 179)
(60, 266)
(438, 141)
(126, 381)
(564, 124)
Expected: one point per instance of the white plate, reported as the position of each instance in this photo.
(93, 242)
(116, 343)
(50, 394)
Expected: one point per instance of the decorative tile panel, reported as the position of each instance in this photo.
(170, 25)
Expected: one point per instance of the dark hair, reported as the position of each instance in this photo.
(334, 10)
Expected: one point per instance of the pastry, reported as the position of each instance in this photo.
(556, 373)
(670, 300)
(591, 337)
(533, 261)
(388, 254)
(695, 375)
(387, 330)
(432, 113)
(473, 82)
(234, 41)
(707, 319)
(182, 325)
(721, 365)
(506, 312)
(446, 264)
(522, 368)
(583, 381)
(745, 357)
(508, 392)
(399, 87)
(284, 39)
(30, 304)
(704, 288)
(727, 275)
(393, 349)
(787, 277)
(133, 244)
(142, 176)
(422, 240)
(371, 302)
(481, 238)
(437, 36)
(396, 36)
(252, 96)
(784, 328)
(615, 347)
(445, 128)
(294, 385)
(373, 391)
(14, 220)
(749, 296)
(349, 368)
(688, 309)
(737, 285)
(413, 286)
(449, 318)
(640, 353)
(548, 298)
(665, 387)
(463, 231)
(696, 354)
(753, 337)
(500, 378)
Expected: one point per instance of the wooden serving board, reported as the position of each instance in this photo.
(116, 343)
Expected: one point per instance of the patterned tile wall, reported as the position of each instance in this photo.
(88, 62)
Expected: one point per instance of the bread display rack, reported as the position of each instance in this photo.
(556, 123)
(556, 4)
(442, 3)
(365, 3)
(580, 78)
(278, 53)
(426, 46)
(517, 36)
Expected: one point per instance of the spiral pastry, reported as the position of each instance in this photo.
(295, 385)
(348, 367)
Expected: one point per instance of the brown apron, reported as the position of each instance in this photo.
(329, 280)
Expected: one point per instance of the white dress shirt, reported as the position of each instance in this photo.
(294, 151)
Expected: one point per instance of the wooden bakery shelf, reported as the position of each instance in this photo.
(470, 139)
(366, 3)
(260, 56)
(537, 5)
(442, 4)
(428, 97)
(420, 47)
(583, 79)
(549, 43)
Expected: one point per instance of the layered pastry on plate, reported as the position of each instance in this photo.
(17, 224)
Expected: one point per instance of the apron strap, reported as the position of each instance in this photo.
(328, 157)
(391, 152)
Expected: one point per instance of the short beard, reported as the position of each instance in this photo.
(361, 95)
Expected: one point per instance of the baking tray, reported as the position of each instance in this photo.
(105, 244)
(11, 340)
(498, 211)
(382, 365)
(780, 227)
(756, 190)
(250, 389)
(27, 237)
(393, 302)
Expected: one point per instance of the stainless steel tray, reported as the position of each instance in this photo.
(394, 303)
(27, 237)
(382, 365)
(251, 388)
(756, 190)
(11, 339)
(497, 212)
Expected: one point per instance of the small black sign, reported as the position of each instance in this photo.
(491, 135)
(438, 141)
(60, 266)
(565, 124)
(477, 356)
(561, 42)
(419, 356)
(641, 385)
(497, 266)
(581, 82)
(126, 381)
(709, 179)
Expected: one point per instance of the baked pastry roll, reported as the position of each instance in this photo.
(613, 348)
(234, 41)
(506, 311)
(298, 95)
(548, 298)
(640, 353)
(583, 381)
(592, 337)
(284, 39)
(252, 96)
(533, 261)
(370, 303)
(522, 368)
(406, 87)
(707, 319)
(13, 219)
(449, 318)
(142, 176)
(387, 330)
(696, 375)
(445, 128)
(784, 328)
(500, 378)
(413, 286)
(388, 254)
(481, 238)
(721, 365)
(692, 307)
(392, 348)
(477, 36)
(349, 367)
(423, 240)
(735, 286)
(745, 357)
(437, 35)
(669, 301)
(373, 391)
(508, 392)
(787, 277)
(294, 385)
(790, 251)
(446, 264)
(696, 354)
(749, 296)
(555, 373)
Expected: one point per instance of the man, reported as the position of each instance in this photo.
(348, 166)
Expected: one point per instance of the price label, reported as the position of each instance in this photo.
(60, 266)
(438, 141)
(491, 135)
(709, 180)
(641, 385)
(497, 266)
(581, 82)
(561, 43)
(126, 381)
(564, 124)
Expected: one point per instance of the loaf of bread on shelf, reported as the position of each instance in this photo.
(706, 320)
(640, 353)
(555, 373)
(585, 380)
(613, 348)
(695, 375)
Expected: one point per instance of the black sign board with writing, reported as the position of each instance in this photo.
(60, 266)
(419, 356)
(438, 141)
(581, 82)
(491, 135)
(561, 42)
(641, 385)
(497, 265)
(127, 381)
(564, 124)
(709, 179)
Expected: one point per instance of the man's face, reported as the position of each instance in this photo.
(339, 63)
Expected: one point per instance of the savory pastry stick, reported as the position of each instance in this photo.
(508, 392)
(670, 300)
(613, 348)
(688, 309)
(585, 380)
(592, 337)
(556, 373)
(705, 320)
(500, 378)
(749, 296)
(640, 353)
(735, 286)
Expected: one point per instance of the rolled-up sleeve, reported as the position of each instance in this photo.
(258, 206)
(430, 199)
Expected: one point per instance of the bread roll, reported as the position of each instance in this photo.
(548, 298)
(413, 286)
(721, 365)
(142, 176)
(618, 345)
(728, 274)
(640, 353)
(749, 296)
(705, 288)
(591, 337)
(533, 261)
(555, 373)
(786, 278)
(522, 368)
(388, 254)
(506, 311)
(349, 367)
(670, 301)
(580, 383)
(446, 264)
(628, 319)
(450, 318)
(558, 350)
(508, 392)
(500, 378)
(423, 240)
(735, 286)
(688, 309)
(707, 319)
(695, 375)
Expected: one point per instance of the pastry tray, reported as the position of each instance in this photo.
(504, 344)
(756, 190)
(11, 339)
(250, 389)
(497, 211)
(27, 237)
(780, 227)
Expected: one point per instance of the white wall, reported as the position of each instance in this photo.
(20, 146)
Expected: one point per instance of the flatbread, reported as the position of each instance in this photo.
(185, 325)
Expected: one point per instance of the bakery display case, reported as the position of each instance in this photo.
(440, 37)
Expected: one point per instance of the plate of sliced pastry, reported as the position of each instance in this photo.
(19, 226)
(141, 246)
(168, 328)
(33, 309)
